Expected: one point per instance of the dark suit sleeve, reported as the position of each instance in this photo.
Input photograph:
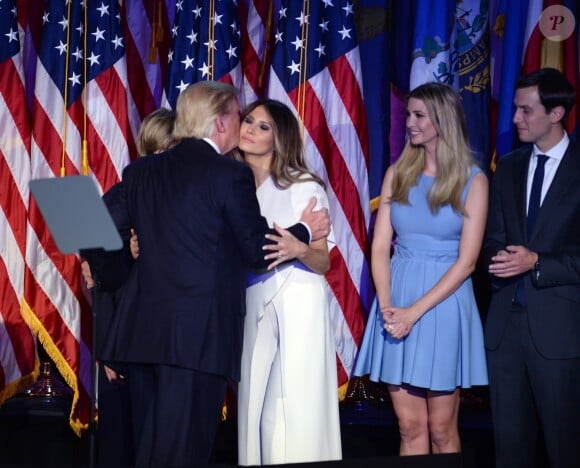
(110, 269)
(299, 231)
(495, 235)
(116, 201)
(558, 269)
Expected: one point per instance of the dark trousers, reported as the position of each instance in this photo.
(527, 390)
(114, 434)
(176, 413)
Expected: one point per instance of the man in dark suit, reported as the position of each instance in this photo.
(532, 245)
(199, 228)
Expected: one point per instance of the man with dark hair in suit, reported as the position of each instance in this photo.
(532, 245)
(199, 228)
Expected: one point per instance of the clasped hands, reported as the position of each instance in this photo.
(398, 321)
(513, 261)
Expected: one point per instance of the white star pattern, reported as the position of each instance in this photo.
(64, 23)
(12, 35)
(103, 9)
(104, 45)
(117, 42)
(75, 79)
(192, 37)
(204, 69)
(294, 67)
(330, 35)
(61, 47)
(210, 49)
(231, 51)
(344, 32)
(78, 54)
(348, 9)
(297, 43)
(181, 86)
(302, 19)
(93, 59)
(99, 35)
(320, 49)
(188, 62)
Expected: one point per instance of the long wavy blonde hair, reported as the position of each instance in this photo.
(454, 157)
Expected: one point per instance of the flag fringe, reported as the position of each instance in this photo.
(21, 384)
(62, 365)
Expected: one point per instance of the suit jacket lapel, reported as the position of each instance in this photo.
(565, 175)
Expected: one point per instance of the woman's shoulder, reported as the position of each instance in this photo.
(307, 184)
(476, 172)
(307, 188)
(476, 177)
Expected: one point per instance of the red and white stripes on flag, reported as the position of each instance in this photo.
(77, 104)
(17, 344)
(256, 28)
(316, 71)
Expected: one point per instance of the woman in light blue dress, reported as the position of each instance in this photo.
(424, 335)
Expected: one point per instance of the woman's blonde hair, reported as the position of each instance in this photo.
(288, 162)
(156, 132)
(454, 157)
(199, 105)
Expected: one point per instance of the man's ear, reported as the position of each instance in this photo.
(557, 114)
(219, 123)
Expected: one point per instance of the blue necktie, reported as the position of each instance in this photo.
(536, 193)
(533, 208)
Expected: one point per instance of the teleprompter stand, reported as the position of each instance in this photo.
(78, 219)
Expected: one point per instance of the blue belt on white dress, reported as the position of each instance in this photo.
(254, 277)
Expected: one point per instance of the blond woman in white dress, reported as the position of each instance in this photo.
(287, 396)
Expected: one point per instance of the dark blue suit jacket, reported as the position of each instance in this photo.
(199, 227)
(554, 299)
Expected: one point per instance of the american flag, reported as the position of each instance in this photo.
(205, 45)
(84, 122)
(316, 71)
(257, 35)
(17, 345)
(147, 26)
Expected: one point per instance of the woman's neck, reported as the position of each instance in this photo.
(260, 167)
(430, 167)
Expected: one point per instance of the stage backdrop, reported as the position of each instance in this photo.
(77, 78)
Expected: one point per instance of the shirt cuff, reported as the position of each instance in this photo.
(308, 229)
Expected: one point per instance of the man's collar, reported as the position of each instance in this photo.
(212, 144)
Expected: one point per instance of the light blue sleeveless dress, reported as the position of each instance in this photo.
(444, 349)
